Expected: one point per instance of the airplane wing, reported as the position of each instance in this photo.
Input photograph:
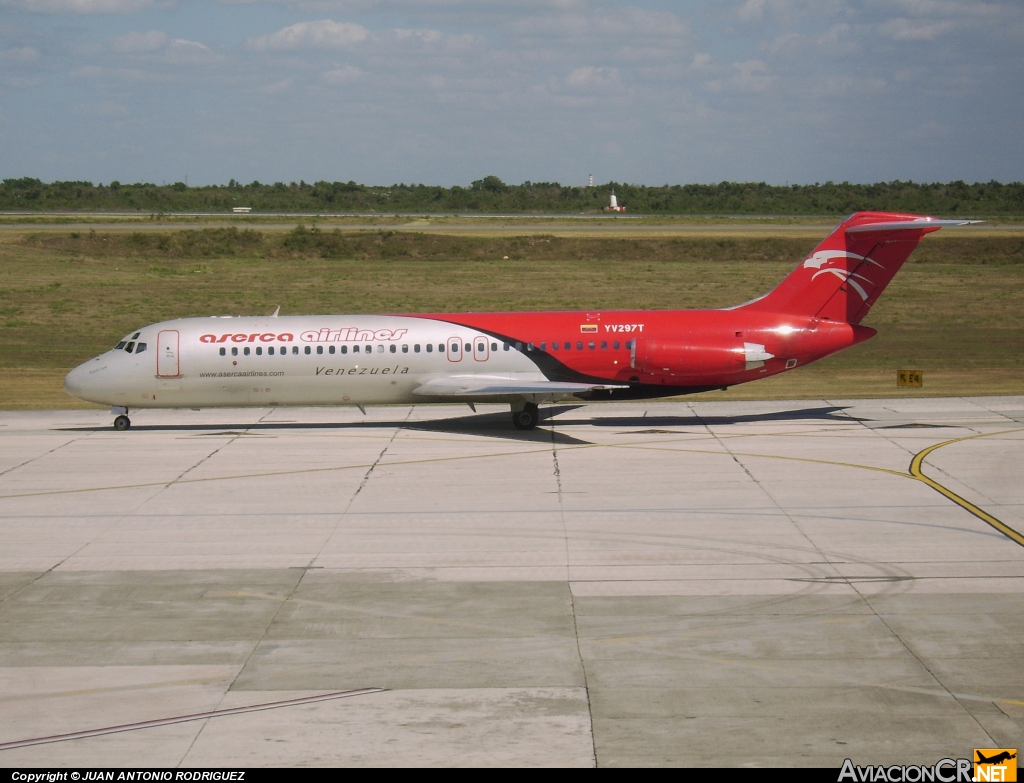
(476, 386)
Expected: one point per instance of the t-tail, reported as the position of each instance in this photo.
(848, 271)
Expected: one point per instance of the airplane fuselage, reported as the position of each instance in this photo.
(363, 359)
(519, 358)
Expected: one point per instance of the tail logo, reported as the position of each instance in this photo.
(822, 257)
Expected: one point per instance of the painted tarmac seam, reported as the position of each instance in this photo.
(269, 474)
(572, 598)
(148, 724)
(252, 652)
(44, 454)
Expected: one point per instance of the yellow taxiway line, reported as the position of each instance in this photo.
(984, 516)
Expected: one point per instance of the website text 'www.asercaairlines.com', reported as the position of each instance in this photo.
(241, 374)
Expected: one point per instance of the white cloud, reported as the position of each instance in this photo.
(701, 61)
(139, 42)
(790, 12)
(344, 75)
(323, 34)
(957, 8)
(840, 39)
(749, 76)
(836, 36)
(182, 43)
(183, 52)
(24, 55)
(497, 7)
(622, 23)
(751, 11)
(901, 29)
(82, 6)
(753, 76)
(156, 45)
(787, 44)
(433, 40)
(591, 78)
(327, 34)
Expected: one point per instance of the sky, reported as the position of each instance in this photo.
(444, 92)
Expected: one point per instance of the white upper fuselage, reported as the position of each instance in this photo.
(293, 360)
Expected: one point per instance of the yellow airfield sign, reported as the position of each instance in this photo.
(909, 378)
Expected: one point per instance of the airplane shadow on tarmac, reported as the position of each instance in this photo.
(497, 425)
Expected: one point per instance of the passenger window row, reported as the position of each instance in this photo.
(567, 346)
(344, 349)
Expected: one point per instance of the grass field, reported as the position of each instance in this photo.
(956, 311)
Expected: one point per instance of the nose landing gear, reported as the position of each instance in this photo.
(525, 418)
(122, 422)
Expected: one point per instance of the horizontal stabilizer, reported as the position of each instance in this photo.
(908, 225)
(470, 386)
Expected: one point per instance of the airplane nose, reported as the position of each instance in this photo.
(74, 382)
(87, 381)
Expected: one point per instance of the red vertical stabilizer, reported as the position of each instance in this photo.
(848, 271)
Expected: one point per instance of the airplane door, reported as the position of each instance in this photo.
(480, 352)
(167, 354)
(454, 349)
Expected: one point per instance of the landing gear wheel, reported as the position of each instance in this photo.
(121, 423)
(527, 418)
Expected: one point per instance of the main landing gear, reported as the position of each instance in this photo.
(525, 418)
(122, 422)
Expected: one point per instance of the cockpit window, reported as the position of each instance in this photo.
(140, 348)
(120, 345)
(136, 335)
(128, 348)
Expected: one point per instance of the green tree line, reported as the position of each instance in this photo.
(490, 195)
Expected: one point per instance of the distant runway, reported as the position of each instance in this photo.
(484, 228)
(773, 583)
(581, 225)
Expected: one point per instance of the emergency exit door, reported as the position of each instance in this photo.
(455, 349)
(167, 354)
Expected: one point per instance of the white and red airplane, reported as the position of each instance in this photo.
(518, 358)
